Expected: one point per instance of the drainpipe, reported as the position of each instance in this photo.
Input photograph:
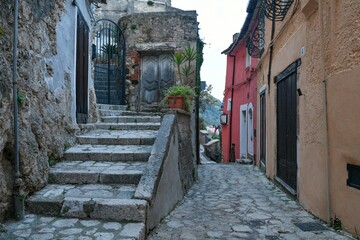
(326, 128)
(231, 108)
(271, 51)
(18, 200)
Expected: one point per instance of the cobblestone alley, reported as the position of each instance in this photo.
(227, 202)
(238, 202)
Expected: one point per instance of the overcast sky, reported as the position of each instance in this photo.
(219, 20)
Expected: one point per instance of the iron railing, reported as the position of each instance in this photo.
(256, 42)
(277, 9)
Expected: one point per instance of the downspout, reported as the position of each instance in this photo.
(231, 108)
(18, 199)
(326, 128)
(271, 50)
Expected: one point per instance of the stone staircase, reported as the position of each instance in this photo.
(98, 177)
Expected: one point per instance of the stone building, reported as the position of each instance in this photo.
(55, 90)
(153, 31)
(308, 84)
(152, 38)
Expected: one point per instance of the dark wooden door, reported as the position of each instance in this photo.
(157, 75)
(263, 128)
(82, 69)
(286, 130)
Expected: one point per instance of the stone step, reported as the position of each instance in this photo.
(80, 172)
(41, 227)
(118, 137)
(95, 201)
(105, 101)
(113, 92)
(103, 86)
(111, 107)
(105, 112)
(122, 126)
(128, 119)
(109, 153)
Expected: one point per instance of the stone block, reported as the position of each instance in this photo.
(120, 209)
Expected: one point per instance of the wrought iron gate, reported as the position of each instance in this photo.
(109, 56)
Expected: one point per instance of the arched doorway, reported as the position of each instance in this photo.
(109, 56)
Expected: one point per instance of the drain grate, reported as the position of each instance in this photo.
(256, 223)
(310, 226)
(271, 237)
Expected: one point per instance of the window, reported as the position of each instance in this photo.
(229, 104)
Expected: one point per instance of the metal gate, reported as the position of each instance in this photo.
(109, 56)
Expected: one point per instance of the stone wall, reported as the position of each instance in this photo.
(115, 9)
(151, 33)
(171, 168)
(213, 150)
(46, 92)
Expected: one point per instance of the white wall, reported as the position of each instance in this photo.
(64, 62)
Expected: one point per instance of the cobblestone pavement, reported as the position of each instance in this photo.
(36, 227)
(238, 202)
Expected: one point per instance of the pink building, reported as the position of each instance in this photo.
(240, 95)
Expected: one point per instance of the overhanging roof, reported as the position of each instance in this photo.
(252, 10)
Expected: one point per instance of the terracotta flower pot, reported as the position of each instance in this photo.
(176, 102)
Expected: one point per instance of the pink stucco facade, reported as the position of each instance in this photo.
(240, 96)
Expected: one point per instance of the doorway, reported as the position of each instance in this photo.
(82, 69)
(286, 127)
(157, 75)
(263, 129)
(243, 132)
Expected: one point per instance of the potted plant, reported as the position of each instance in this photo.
(179, 96)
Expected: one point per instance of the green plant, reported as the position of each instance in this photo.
(2, 32)
(206, 99)
(184, 63)
(66, 146)
(178, 58)
(336, 224)
(53, 160)
(202, 123)
(109, 49)
(20, 98)
(180, 90)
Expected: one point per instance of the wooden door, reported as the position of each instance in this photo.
(263, 128)
(286, 130)
(157, 75)
(82, 69)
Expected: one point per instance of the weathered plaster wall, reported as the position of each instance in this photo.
(344, 131)
(342, 54)
(154, 32)
(342, 75)
(46, 69)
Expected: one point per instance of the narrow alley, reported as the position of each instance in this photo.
(229, 201)
(238, 202)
